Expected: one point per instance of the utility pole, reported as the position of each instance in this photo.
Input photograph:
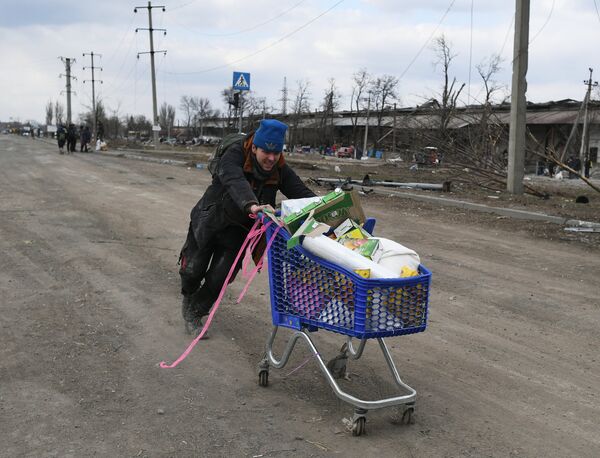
(518, 103)
(366, 127)
(155, 126)
(284, 97)
(584, 152)
(91, 54)
(394, 132)
(68, 61)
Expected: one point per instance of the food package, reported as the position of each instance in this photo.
(332, 209)
(294, 205)
(369, 248)
(349, 228)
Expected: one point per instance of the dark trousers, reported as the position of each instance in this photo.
(71, 146)
(204, 270)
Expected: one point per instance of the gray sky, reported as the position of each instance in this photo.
(312, 40)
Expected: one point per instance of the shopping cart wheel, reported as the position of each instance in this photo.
(358, 426)
(263, 378)
(408, 417)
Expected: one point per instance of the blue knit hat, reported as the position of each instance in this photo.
(270, 136)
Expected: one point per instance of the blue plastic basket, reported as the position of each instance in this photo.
(312, 293)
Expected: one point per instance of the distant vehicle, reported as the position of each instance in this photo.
(429, 156)
(345, 151)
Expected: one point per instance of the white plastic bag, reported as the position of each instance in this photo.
(338, 254)
(396, 256)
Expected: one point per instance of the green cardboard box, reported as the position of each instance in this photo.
(332, 210)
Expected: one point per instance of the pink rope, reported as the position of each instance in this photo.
(252, 234)
(259, 264)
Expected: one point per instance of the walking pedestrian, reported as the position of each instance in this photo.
(71, 138)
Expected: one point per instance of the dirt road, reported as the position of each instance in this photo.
(89, 305)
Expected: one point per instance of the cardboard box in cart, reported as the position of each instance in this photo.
(332, 210)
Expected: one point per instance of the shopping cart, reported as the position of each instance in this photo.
(309, 293)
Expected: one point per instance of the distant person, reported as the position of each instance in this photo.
(71, 138)
(61, 138)
(100, 131)
(85, 136)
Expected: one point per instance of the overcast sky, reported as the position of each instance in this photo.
(312, 40)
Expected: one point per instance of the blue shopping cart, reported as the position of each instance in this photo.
(309, 293)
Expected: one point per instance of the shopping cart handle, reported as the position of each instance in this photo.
(369, 225)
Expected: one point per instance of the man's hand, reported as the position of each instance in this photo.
(254, 209)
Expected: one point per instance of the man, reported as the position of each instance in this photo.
(247, 178)
(61, 138)
(71, 138)
(85, 137)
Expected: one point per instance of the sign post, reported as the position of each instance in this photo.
(241, 82)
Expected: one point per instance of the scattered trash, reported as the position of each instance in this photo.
(582, 200)
(337, 169)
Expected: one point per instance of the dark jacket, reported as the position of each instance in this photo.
(235, 187)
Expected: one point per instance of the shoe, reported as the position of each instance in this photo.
(194, 326)
(186, 308)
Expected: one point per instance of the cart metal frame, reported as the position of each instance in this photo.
(361, 406)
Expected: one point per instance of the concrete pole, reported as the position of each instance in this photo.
(68, 70)
(154, 105)
(366, 127)
(584, 152)
(95, 131)
(518, 105)
(394, 132)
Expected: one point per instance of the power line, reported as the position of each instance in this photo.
(545, 23)
(427, 41)
(254, 27)
(229, 64)
(597, 11)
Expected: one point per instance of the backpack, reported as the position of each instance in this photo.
(224, 144)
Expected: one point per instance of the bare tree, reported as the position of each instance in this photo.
(450, 93)
(187, 108)
(331, 103)
(59, 112)
(383, 91)
(202, 110)
(49, 112)
(489, 132)
(300, 106)
(360, 85)
(166, 117)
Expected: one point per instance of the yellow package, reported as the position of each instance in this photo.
(364, 273)
(408, 272)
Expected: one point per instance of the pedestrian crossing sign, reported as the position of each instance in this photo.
(241, 81)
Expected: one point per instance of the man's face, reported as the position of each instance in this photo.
(266, 160)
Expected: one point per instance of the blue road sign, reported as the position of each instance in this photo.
(241, 81)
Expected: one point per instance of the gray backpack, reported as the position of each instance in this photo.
(226, 142)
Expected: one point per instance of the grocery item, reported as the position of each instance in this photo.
(334, 252)
(396, 256)
(332, 209)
